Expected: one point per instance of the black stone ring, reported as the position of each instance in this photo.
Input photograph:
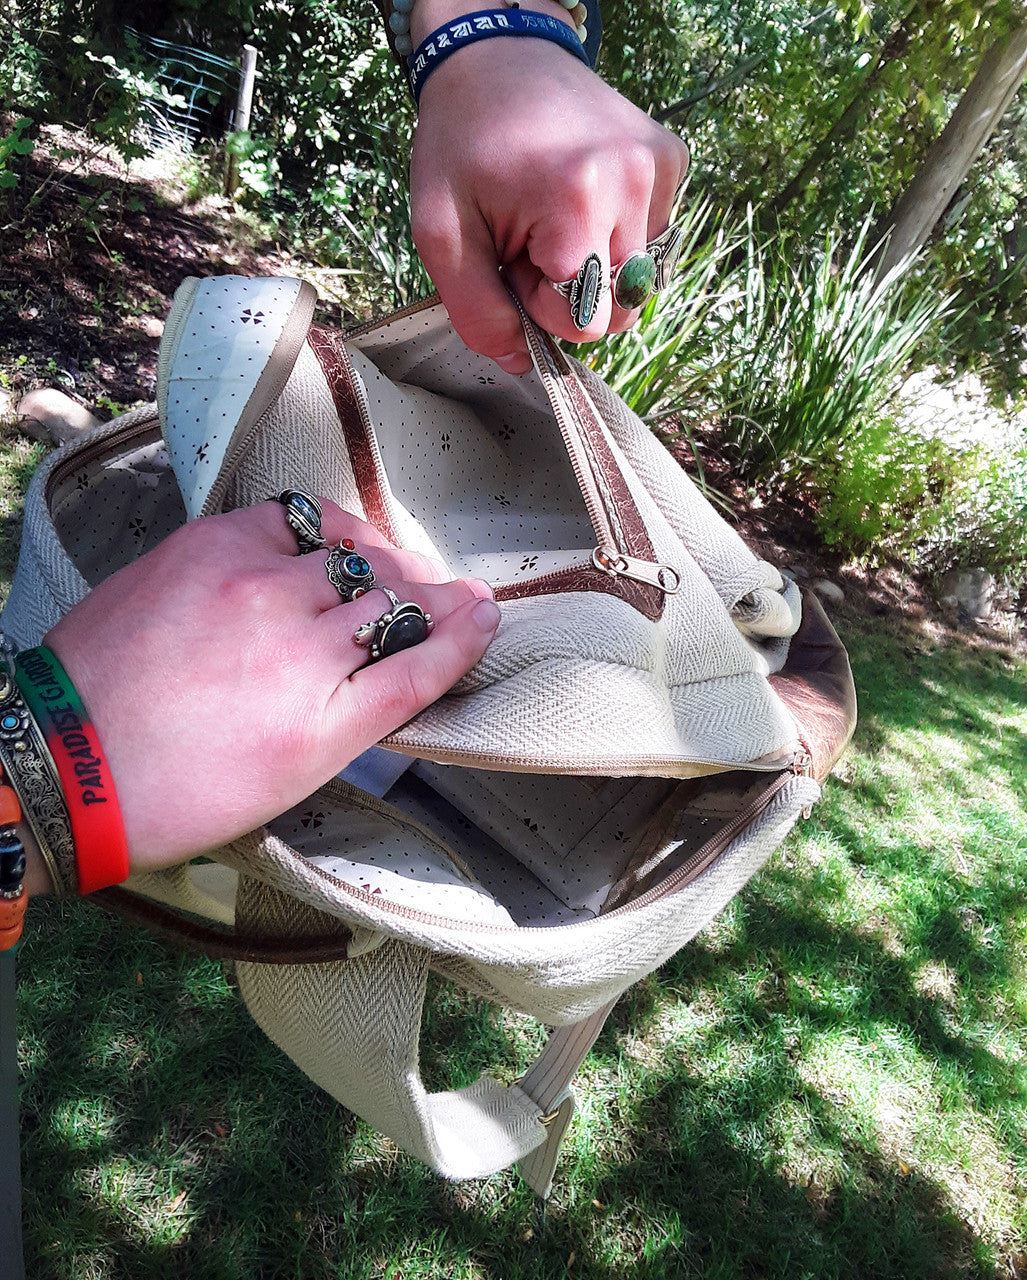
(348, 572)
(401, 627)
(303, 514)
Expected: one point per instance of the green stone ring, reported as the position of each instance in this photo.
(634, 280)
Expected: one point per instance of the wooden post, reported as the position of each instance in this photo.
(949, 158)
(241, 114)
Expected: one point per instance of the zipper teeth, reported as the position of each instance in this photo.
(579, 459)
(521, 764)
(69, 466)
(696, 863)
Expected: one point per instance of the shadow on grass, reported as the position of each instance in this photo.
(145, 1079)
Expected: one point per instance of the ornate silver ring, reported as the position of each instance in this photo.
(584, 291)
(400, 627)
(303, 514)
(665, 251)
(348, 572)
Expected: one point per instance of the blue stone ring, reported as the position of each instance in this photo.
(401, 627)
(348, 572)
(303, 514)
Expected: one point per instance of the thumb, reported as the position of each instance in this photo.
(392, 691)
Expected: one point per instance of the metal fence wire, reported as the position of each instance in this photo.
(197, 82)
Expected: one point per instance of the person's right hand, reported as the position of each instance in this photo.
(222, 677)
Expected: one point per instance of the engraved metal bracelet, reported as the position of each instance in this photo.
(31, 771)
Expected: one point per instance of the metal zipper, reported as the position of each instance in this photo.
(607, 556)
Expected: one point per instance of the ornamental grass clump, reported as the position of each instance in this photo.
(811, 347)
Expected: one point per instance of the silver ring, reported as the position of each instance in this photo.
(303, 514)
(665, 250)
(634, 280)
(584, 291)
(400, 627)
(348, 572)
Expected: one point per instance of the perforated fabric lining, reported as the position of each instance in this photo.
(530, 903)
(576, 835)
(387, 857)
(459, 470)
(118, 491)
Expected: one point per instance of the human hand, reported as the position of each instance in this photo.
(222, 678)
(524, 158)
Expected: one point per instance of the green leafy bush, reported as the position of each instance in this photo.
(889, 493)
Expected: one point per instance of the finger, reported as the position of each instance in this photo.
(557, 250)
(393, 690)
(459, 254)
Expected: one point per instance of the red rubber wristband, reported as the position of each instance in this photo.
(97, 829)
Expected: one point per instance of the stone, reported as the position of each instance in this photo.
(406, 630)
(829, 592)
(51, 416)
(968, 593)
(586, 291)
(8, 401)
(636, 277)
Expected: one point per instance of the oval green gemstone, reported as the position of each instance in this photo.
(635, 280)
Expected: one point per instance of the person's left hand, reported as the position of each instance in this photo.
(524, 159)
(222, 677)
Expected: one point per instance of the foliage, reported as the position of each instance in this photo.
(13, 144)
(830, 1081)
(811, 349)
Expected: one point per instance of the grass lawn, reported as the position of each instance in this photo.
(830, 1082)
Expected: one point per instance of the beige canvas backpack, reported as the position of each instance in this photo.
(658, 708)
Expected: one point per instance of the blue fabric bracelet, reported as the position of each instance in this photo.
(483, 25)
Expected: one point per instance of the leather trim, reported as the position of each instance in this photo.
(816, 686)
(186, 933)
(326, 345)
(634, 538)
(636, 594)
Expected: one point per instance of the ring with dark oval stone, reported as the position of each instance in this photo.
(303, 514)
(399, 628)
(634, 280)
(665, 250)
(584, 291)
(348, 572)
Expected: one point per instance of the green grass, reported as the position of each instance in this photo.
(830, 1082)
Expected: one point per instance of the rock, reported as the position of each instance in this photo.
(966, 593)
(7, 403)
(829, 592)
(53, 417)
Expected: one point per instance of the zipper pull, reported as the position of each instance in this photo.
(802, 767)
(610, 560)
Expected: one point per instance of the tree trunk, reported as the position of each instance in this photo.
(951, 155)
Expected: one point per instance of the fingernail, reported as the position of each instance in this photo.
(516, 363)
(486, 616)
(481, 588)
